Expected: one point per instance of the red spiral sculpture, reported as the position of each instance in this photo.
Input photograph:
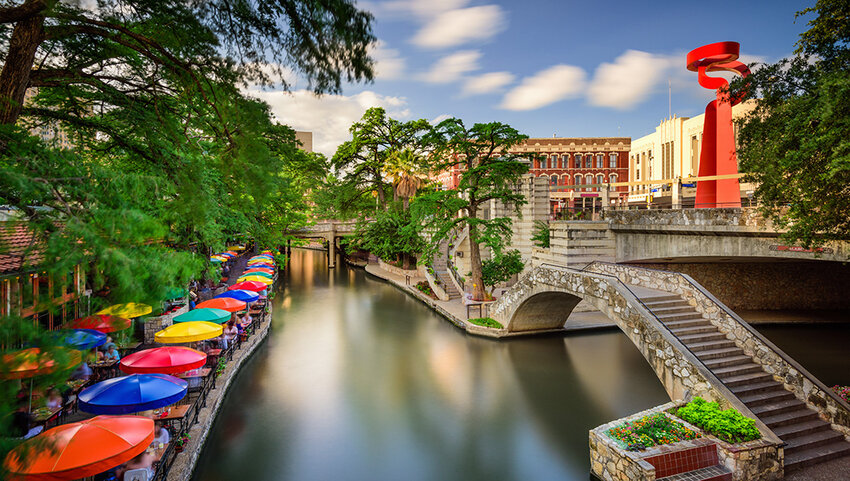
(718, 139)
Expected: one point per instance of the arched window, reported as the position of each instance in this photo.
(578, 181)
(588, 179)
(577, 164)
(612, 178)
(600, 161)
(612, 160)
(553, 180)
(553, 162)
(565, 179)
(588, 161)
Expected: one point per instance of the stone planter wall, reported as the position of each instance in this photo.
(796, 379)
(432, 281)
(398, 270)
(152, 325)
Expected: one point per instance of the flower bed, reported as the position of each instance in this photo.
(486, 322)
(425, 288)
(651, 430)
(727, 424)
(843, 392)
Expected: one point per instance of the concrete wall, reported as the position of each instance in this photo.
(576, 243)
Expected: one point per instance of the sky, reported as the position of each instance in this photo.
(588, 68)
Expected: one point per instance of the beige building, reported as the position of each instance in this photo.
(306, 139)
(671, 152)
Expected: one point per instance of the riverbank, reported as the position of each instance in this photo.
(184, 464)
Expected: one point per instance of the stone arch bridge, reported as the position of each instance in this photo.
(328, 232)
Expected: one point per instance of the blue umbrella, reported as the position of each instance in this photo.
(240, 295)
(267, 266)
(81, 339)
(133, 393)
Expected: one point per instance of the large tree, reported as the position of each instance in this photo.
(489, 171)
(794, 145)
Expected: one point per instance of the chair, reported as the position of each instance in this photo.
(54, 418)
(136, 475)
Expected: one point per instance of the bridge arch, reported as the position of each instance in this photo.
(549, 309)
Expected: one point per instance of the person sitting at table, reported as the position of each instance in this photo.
(83, 371)
(111, 354)
(162, 434)
(21, 421)
(53, 399)
(246, 319)
(230, 332)
(142, 461)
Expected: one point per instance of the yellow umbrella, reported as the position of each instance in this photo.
(264, 280)
(235, 248)
(188, 332)
(129, 310)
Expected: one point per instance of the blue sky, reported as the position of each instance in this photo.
(571, 68)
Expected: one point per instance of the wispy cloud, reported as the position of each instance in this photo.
(389, 64)
(546, 87)
(452, 67)
(628, 81)
(487, 83)
(463, 25)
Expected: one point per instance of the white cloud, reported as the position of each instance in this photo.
(424, 9)
(628, 81)
(487, 83)
(463, 25)
(545, 87)
(436, 120)
(452, 67)
(389, 65)
(328, 117)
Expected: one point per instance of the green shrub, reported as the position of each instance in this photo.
(486, 322)
(727, 424)
(650, 431)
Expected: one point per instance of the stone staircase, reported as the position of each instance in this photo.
(441, 272)
(809, 439)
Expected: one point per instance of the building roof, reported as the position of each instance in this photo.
(18, 247)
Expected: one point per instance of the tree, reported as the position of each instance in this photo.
(541, 234)
(793, 145)
(489, 172)
(501, 268)
(408, 171)
(392, 234)
(363, 160)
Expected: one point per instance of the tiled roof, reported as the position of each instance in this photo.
(16, 247)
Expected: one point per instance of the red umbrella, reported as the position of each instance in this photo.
(99, 322)
(164, 360)
(248, 286)
(228, 304)
(79, 450)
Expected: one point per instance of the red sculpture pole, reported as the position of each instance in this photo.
(718, 139)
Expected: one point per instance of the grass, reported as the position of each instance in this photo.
(486, 322)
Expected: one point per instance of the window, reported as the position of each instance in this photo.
(612, 160)
(553, 162)
(588, 161)
(578, 180)
(600, 179)
(600, 161)
(588, 179)
(577, 161)
(612, 178)
(553, 180)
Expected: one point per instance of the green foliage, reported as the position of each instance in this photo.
(390, 235)
(648, 431)
(425, 288)
(727, 424)
(486, 322)
(540, 235)
(793, 145)
(501, 268)
(220, 367)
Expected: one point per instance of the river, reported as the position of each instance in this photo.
(359, 381)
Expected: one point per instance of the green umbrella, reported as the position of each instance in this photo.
(217, 316)
(258, 273)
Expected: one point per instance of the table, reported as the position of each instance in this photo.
(103, 370)
(41, 415)
(196, 375)
(212, 357)
(177, 413)
(482, 312)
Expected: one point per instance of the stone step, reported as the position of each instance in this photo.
(687, 331)
(696, 347)
(766, 397)
(744, 379)
(777, 407)
(659, 311)
(791, 431)
(688, 323)
(678, 302)
(811, 440)
(678, 317)
(733, 371)
(728, 361)
(757, 388)
(791, 417)
(660, 298)
(709, 473)
(720, 353)
(817, 454)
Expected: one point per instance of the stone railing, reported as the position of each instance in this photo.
(432, 281)
(450, 260)
(734, 217)
(806, 387)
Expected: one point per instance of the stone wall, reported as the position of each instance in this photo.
(413, 273)
(152, 325)
(771, 285)
(576, 243)
(536, 208)
(738, 217)
(796, 379)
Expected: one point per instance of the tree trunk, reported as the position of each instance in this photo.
(475, 263)
(15, 76)
(405, 259)
(405, 203)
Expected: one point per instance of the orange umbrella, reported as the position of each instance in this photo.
(79, 450)
(99, 322)
(34, 362)
(228, 304)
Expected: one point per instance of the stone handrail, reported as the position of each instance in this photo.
(450, 253)
(805, 386)
(432, 281)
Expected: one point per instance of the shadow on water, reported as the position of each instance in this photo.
(360, 381)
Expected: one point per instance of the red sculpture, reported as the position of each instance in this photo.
(718, 140)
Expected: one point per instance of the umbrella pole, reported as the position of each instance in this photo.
(29, 406)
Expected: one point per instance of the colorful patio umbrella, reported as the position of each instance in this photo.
(261, 259)
(263, 256)
(33, 361)
(164, 360)
(100, 323)
(233, 253)
(258, 273)
(252, 262)
(131, 394)
(81, 339)
(129, 310)
(264, 280)
(261, 266)
(82, 449)
(240, 295)
(204, 314)
(249, 286)
(188, 332)
(224, 303)
(236, 248)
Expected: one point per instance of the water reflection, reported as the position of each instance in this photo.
(360, 381)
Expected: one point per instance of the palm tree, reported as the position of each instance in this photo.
(408, 171)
